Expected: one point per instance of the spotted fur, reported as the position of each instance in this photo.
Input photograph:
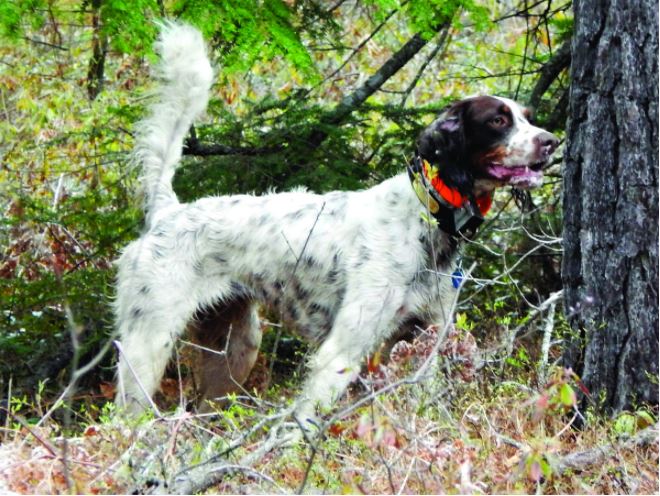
(345, 269)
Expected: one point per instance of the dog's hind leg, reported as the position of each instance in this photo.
(146, 341)
(230, 333)
(150, 317)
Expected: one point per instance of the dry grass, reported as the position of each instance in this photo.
(470, 429)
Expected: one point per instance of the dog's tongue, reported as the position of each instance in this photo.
(517, 175)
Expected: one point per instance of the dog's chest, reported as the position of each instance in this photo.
(431, 293)
(306, 297)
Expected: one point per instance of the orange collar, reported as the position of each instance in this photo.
(451, 195)
(454, 213)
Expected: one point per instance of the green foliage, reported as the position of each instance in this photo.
(338, 163)
(246, 33)
(463, 323)
(15, 14)
(628, 423)
(563, 24)
(425, 16)
(519, 359)
(66, 207)
(129, 24)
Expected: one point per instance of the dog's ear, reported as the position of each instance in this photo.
(443, 138)
(443, 144)
(450, 124)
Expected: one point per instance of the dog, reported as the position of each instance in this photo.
(347, 270)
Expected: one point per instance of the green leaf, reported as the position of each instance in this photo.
(461, 321)
(567, 395)
(545, 468)
(626, 423)
(16, 14)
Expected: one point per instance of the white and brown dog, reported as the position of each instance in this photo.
(346, 270)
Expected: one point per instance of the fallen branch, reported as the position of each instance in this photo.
(582, 460)
(197, 480)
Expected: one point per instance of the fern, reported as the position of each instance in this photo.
(426, 15)
(285, 37)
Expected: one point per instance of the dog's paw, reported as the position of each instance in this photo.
(300, 429)
(308, 424)
(284, 435)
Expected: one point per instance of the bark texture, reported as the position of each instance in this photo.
(610, 200)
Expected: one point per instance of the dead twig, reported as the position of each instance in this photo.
(147, 396)
(536, 312)
(582, 460)
(547, 341)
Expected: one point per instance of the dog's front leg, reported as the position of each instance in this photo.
(361, 325)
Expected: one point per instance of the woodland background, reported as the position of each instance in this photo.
(329, 95)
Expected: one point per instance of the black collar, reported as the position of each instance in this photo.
(461, 220)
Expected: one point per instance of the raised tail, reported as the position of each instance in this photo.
(186, 77)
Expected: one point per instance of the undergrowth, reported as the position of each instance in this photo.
(474, 424)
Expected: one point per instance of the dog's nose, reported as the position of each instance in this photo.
(546, 143)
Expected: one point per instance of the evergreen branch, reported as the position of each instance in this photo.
(334, 117)
(192, 146)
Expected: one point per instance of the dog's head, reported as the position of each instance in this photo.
(484, 142)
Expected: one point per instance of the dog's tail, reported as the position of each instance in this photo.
(186, 76)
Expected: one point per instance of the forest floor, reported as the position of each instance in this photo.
(476, 426)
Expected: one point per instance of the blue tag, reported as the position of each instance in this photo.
(457, 278)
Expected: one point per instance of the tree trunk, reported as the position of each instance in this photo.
(96, 69)
(610, 199)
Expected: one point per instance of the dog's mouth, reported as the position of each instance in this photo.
(520, 176)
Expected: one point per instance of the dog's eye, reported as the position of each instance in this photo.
(498, 121)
